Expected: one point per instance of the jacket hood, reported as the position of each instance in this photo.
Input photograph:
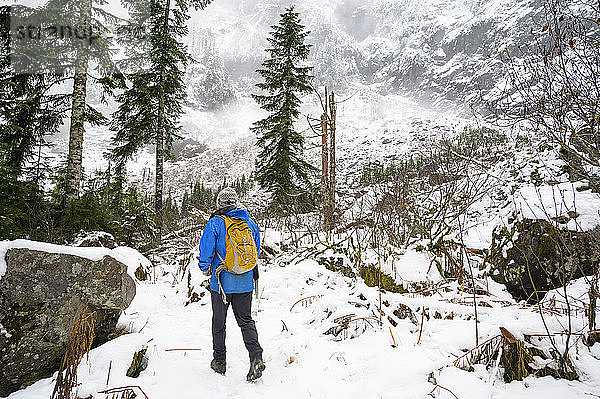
(240, 214)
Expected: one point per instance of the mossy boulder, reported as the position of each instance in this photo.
(374, 277)
(39, 296)
(337, 263)
(532, 257)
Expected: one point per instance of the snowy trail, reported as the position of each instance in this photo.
(303, 362)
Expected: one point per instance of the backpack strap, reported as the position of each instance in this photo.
(221, 266)
(218, 272)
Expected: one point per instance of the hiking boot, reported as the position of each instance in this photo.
(218, 367)
(256, 368)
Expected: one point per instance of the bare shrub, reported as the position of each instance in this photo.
(80, 342)
(552, 85)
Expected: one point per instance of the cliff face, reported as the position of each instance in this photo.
(433, 49)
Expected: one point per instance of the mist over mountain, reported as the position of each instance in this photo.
(443, 51)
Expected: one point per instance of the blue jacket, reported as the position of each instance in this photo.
(213, 237)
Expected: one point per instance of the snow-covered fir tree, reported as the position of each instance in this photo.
(280, 165)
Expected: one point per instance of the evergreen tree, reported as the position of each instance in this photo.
(150, 108)
(28, 112)
(185, 204)
(28, 109)
(280, 166)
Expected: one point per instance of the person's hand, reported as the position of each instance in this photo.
(207, 272)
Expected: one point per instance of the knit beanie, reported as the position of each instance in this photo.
(227, 197)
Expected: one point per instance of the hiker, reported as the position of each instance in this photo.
(229, 246)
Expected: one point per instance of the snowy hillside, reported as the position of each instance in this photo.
(371, 128)
(408, 67)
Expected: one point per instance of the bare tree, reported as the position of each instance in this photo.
(552, 84)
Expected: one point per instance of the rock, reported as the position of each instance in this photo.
(404, 312)
(188, 148)
(592, 338)
(520, 359)
(141, 273)
(138, 364)
(95, 239)
(336, 263)
(536, 254)
(39, 296)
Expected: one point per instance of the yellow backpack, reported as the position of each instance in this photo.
(241, 254)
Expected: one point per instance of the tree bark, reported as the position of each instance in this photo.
(160, 155)
(332, 112)
(77, 129)
(324, 167)
(593, 294)
(160, 134)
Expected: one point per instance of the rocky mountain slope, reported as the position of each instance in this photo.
(438, 50)
(398, 66)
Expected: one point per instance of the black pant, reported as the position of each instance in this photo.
(242, 305)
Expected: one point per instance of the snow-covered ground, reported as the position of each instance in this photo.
(300, 300)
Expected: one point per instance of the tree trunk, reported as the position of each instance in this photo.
(332, 111)
(160, 135)
(76, 130)
(160, 156)
(328, 159)
(593, 293)
(325, 166)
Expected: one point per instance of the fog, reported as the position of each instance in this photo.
(237, 31)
